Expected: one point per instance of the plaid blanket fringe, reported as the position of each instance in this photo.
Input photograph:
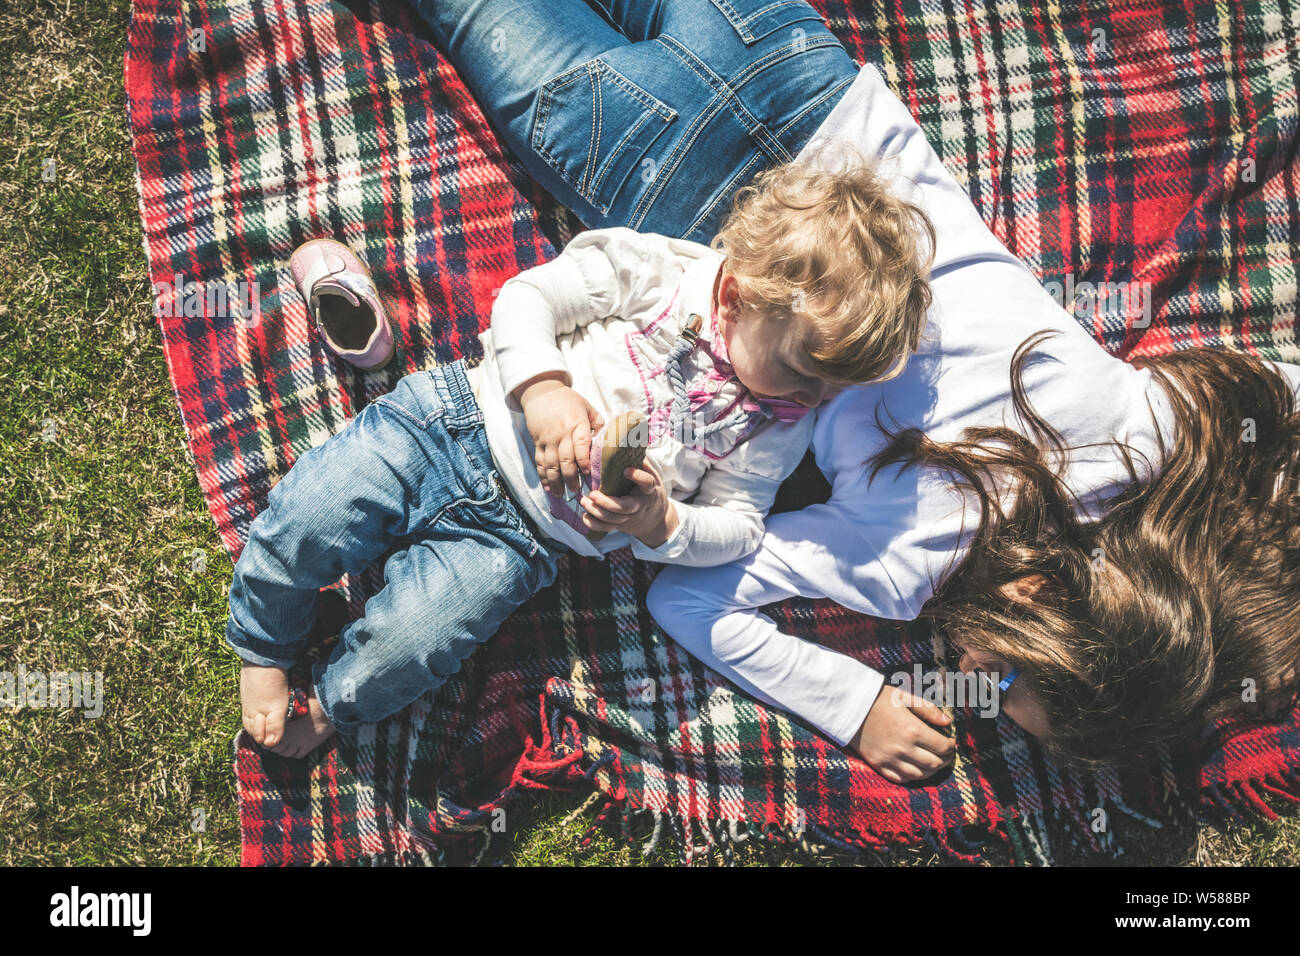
(1025, 840)
(559, 762)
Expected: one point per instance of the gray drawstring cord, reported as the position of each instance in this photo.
(681, 403)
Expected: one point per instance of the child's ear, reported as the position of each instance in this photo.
(729, 295)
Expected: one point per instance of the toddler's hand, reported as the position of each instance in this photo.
(897, 740)
(647, 514)
(264, 699)
(561, 422)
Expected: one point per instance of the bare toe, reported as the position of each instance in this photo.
(275, 725)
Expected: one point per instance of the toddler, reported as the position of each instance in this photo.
(475, 480)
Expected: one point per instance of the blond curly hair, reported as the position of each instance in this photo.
(835, 249)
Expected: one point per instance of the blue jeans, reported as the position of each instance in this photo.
(410, 474)
(646, 113)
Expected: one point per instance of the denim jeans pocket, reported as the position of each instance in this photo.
(414, 398)
(497, 513)
(754, 21)
(593, 126)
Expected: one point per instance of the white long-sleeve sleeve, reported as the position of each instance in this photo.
(721, 523)
(600, 273)
(713, 613)
(863, 549)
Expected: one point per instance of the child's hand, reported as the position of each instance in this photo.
(264, 699)
(561, 422)
(897, 740)
(647, 514)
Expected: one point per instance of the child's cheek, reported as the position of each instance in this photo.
(1028, 713)
(758, 378)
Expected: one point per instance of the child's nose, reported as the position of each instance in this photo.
(967, 664)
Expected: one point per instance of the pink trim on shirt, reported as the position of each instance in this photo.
(718, 373)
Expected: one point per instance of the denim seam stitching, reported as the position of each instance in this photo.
(716, 202)
(473, 456)
(744, 26)
(593, 141)
(567, 76)
(754, 67)
(648, 101)
(708, 211)
(594, 135)
(406, 413)
(683, 145)
(772, 7)
(720, 87)
(726, 96)
(643, 206)
(675, 157)
(738, 22)
(509, 510)
(618, 151)
(546, 98)
(590, 138)
(839, 87)
(651, 103)
(662, 109)
(453, 392)
(771, 57)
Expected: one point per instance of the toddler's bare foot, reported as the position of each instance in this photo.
(302, 735)
(264, 698)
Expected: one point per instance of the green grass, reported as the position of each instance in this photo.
(101, 523)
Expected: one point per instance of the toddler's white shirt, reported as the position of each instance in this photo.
(606, 312)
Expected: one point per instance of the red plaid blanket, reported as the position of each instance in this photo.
(1143, 142)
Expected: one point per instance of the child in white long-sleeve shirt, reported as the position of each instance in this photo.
(1052, 593)
(481, 477)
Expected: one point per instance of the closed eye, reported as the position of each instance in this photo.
(798, 375)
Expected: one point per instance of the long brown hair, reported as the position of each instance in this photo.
(1178, 606)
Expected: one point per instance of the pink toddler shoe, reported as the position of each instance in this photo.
(343, 300)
